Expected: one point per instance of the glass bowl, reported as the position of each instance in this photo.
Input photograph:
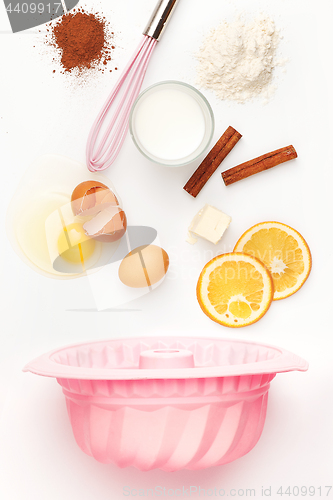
(171, 123)
(39, 209)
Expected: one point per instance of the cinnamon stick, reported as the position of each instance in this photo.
(259, 164)
(214, 158)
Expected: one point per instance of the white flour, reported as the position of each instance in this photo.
(237, 59)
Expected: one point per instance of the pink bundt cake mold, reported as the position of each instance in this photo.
(168, 403)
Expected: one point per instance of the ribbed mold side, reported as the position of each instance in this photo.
(169, 437)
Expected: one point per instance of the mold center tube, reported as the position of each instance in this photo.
(166, 358)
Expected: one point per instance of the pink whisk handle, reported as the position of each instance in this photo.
(103, 146)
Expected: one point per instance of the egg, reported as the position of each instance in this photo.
(70, 249)
(74, 245)
(144, 266)
(91, 198)
(107, 226)
(89, 195)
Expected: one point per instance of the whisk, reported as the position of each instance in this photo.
(103, 146)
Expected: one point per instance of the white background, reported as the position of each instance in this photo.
(42, 112)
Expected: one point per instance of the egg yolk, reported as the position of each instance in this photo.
(74, 245)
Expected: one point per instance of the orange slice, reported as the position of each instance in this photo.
(284, 252)
(235, 289)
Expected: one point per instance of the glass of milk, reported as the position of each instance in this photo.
(171, 123)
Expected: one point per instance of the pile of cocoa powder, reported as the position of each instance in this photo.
(83, 41)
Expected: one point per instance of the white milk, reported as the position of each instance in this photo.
(169, 124)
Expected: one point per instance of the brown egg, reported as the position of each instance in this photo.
(109, 225)
(95, 198)
(144, 266)
(88, 197)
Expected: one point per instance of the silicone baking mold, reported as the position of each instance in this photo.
(166, 402)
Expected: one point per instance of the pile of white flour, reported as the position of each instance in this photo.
(237, 59)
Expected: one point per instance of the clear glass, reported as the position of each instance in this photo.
(207, 112)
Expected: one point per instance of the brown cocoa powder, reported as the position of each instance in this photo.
(83, 40)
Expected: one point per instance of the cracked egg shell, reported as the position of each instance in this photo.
(89, 197)
(107, 226)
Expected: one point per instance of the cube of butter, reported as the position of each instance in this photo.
(209, 223)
